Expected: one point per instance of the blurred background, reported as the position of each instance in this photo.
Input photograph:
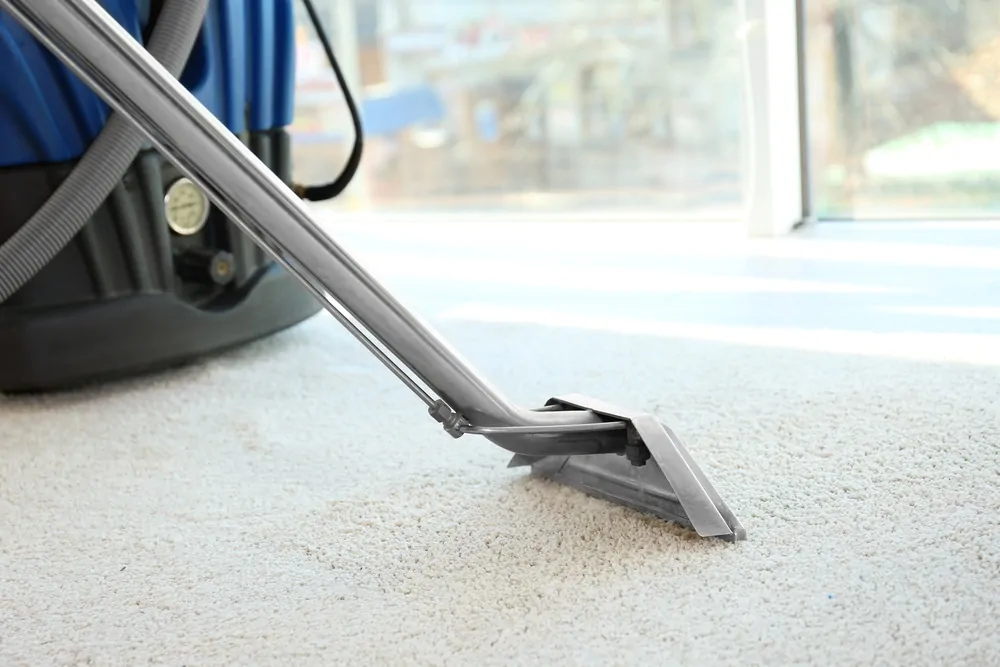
(637, 106)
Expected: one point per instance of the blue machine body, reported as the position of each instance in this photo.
(242, 69)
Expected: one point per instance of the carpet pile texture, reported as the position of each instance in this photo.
(290, 503)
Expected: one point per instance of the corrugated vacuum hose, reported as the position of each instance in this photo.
(625, 456)
(102, 166)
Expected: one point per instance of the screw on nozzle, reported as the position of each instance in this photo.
(635, 449)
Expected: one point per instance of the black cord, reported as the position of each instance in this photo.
(331, 190)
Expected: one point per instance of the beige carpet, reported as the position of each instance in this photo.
(291, 504)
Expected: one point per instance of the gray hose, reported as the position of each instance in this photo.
(102, 167)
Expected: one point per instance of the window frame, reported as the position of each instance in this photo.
(777, 184)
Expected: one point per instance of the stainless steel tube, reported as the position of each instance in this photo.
(89, 41)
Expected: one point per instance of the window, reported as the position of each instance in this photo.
(903, 107)
(623, 105)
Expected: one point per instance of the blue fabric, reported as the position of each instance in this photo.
(243, 59)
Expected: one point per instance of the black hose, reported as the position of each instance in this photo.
(338, 185)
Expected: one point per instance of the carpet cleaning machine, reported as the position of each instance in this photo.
(147, 218)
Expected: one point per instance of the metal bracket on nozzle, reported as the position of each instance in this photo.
(456, 426)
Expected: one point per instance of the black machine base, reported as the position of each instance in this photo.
(69, 346)
(130, 294)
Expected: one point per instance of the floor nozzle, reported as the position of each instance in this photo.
(655, 474)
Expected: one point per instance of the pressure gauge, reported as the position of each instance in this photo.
(186, 207)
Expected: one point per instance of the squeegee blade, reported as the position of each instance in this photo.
(644, 489)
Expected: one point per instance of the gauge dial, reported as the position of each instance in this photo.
(186, 207)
